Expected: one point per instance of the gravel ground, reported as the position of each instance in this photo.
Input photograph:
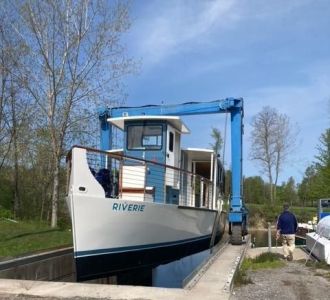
(293, 281)
(27, 297)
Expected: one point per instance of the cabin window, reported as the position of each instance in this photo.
(171, 142)
(141, 137)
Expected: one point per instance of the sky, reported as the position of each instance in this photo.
(271, 53)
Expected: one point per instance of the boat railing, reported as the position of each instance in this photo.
(131, 178)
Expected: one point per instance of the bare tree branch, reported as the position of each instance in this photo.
(272, 138)
(75, 63)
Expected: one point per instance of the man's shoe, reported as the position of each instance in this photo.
(290, 257)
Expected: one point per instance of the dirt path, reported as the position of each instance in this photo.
(294, 281)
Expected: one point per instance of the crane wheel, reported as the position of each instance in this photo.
(236, 234)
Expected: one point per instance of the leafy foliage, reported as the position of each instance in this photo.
(316, 182)
(269, 213)
(217, 140)
(255, 190)
(315, 185)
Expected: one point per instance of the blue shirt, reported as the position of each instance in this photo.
(287, 223)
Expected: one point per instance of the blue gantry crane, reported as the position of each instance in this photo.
(238, 213)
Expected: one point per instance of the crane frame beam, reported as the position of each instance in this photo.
(234, 106)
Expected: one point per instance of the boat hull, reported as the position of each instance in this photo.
(115, 235)
(103, 265)
(319, 246)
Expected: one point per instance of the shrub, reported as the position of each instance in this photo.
(64, 223)
(269, 213)
(5, 213)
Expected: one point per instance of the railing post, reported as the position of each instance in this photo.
(120, 184)
(201, 192)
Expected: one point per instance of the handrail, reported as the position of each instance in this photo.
(122, 176)
(119, 156)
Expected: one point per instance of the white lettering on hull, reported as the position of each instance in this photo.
(128, 207)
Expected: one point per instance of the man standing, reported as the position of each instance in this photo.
(287, 227)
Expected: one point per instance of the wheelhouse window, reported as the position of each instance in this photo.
(141, 137)
(171, 142)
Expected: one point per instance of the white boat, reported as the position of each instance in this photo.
(146, 204)
(319, 242)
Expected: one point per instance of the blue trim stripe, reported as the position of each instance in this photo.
(138, 248)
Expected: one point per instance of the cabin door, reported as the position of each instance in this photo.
(202, 189)
(172, 157)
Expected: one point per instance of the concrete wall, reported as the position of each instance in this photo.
(55, 265)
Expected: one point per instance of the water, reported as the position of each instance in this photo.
(173, 274)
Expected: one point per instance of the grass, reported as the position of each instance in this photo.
(321, 268)
(241, 278)
(21, 238)
(263, 261)
(318, 265)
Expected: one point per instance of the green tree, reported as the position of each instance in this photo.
(307, 190)
(217, 140)
(323, 157)
(254, 190)
(316, 182)
(289, 192)
(323, 164)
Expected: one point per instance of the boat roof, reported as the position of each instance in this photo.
(175, 121)
(201, 154)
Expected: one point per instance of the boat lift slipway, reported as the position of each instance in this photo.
(237, 216)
